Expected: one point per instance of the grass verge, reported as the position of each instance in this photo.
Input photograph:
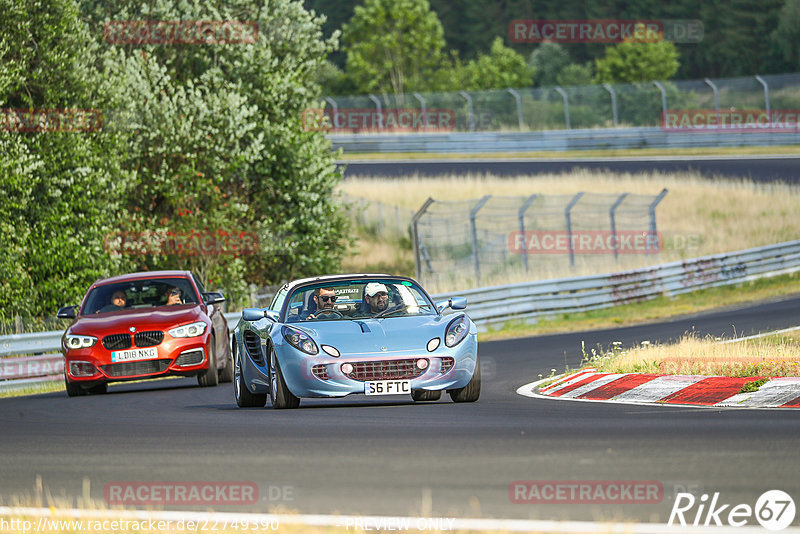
(656, 309)
(769, 356)
(577, 154)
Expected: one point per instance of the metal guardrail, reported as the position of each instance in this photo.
(554, 140)
(584, 293)
(499, 304)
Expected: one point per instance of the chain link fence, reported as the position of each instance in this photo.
(499, 238)
(553, 108)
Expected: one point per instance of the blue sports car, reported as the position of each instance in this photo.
(371, 334)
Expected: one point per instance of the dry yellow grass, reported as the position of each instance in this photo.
(698, 216)
(768, 357)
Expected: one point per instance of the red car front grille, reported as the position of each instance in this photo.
(148, 367)
(385, 370)
(148, 339)
(117, 342)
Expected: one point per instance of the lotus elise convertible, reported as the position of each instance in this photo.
(367, 334)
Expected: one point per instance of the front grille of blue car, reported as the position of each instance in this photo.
(117, 342)
(151, 338)
(447, 364)
(252, 344)
(148, 367)
(321, 372)
(386, 370)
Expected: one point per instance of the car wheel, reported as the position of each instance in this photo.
(279, 394)
(472, 390)
(210, 377)
(244, 399)
(226, 373)
(73, 389)
(99, 389)
(420, 395)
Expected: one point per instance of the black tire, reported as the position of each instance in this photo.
(244, 399)
(472, 390)
(226, 373)
(279, 394)
(210, 377)
(73, 389)
(99, 389)
(420, 395)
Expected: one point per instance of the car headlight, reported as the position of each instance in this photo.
(189, 330)
(456, 331)
(79, 342)
(299, 340)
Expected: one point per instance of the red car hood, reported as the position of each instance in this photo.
(162, 318)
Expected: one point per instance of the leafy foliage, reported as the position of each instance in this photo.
(393, 46)
(630, 62)
(197, 140)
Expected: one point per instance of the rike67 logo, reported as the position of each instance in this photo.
(774, 510)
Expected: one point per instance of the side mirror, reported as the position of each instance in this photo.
(456, 303)
(253, 314)
(272, 315)
(67, 312)
(213, 297)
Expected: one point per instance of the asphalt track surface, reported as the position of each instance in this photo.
(391, 457)
(758, 168)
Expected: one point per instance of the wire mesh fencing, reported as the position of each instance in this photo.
(645, 104)
(495, 239)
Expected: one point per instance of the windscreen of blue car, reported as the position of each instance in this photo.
(403, 299)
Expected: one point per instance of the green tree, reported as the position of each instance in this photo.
(548, 60)
(60, 188)
(575, 74)
(502, 67)
(217, 142)
(393, 46)
(630, 62)
(787, 35)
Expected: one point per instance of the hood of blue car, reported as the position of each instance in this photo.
(399, 334)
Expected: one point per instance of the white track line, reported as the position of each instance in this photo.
(370, 522)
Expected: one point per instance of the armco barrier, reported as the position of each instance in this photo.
(553, 140)
(496, 305)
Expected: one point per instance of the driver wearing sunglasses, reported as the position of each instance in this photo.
(324, 298)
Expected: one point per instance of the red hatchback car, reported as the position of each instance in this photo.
(145, 325)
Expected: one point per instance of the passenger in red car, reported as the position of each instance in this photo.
(173, 296)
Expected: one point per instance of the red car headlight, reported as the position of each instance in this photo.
(79, 342)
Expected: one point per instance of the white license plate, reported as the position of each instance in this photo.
(134, 354)
(387, 387)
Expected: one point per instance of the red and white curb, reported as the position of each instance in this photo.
(693, 390)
